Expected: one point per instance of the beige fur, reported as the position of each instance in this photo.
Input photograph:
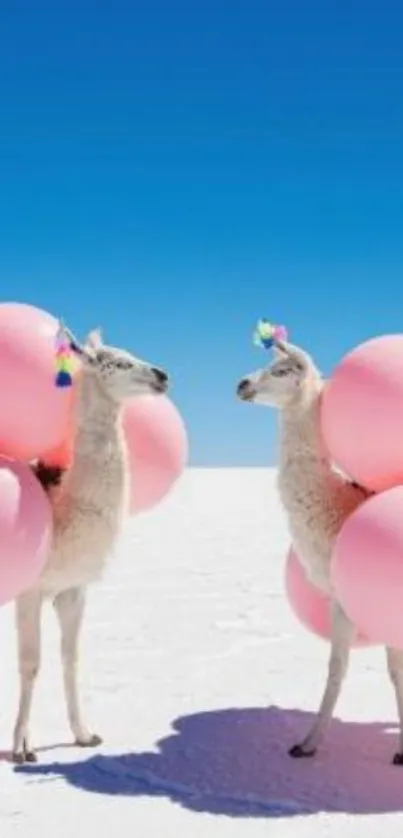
(317, 499)
(88, 511)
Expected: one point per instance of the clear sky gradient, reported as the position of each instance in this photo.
(175, 170)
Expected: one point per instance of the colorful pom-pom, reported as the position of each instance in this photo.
(267, 333)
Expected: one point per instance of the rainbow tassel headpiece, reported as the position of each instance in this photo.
(64, 360)
(266, 334)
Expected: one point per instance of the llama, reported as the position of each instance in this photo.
(317, 500)
(88, 508)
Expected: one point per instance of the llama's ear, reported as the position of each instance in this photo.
(94, 339)
(64, 334)
(296, 355)
(280, 348)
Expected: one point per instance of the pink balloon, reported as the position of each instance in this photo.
(34, 412)
(157, 446)
(362, 413)
(62, 454)
(25, 529)
(309, 604)
(367, 567)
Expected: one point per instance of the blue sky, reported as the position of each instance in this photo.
(175, 170)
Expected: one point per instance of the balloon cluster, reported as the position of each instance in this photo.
(362, 425)
(37, 421)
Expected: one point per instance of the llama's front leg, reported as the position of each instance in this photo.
(28, 619)
(394, 659)
(342, 635)
(69, 606)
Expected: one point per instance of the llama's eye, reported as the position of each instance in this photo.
(280, 372)
(124, 365)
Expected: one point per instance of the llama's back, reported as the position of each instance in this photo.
(347, 495)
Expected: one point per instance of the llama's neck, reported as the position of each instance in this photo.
(98, 473)
(302, 448)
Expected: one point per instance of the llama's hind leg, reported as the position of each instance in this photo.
(69, 606)
(28, 620)
(394, 659)
(342, 635)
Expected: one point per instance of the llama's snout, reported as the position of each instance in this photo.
(161, 379)
(245, 390)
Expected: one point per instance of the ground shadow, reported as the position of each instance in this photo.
(234, 762)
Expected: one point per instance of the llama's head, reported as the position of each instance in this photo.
(287, 381)
(119, 373)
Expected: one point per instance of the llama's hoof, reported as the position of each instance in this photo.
(398, 759)
(24, 754)
(91, 741)
(299, 752)
(20, 757)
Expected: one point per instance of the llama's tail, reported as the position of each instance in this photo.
(47, 475)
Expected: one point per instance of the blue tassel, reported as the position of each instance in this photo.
(63, 379)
